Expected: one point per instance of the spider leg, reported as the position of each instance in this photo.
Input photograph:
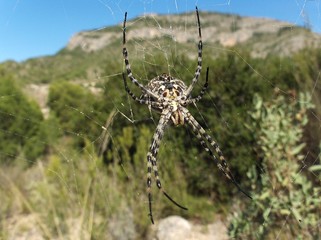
(128, 69)
(201, 135)
(141, 101)
(152, 162)
(199, 59)
(199, 97)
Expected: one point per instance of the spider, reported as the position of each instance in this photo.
(170, 96)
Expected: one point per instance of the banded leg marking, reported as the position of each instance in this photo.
(152, 162)
(127, 64)
(203, 90)
(199, 58)
(141, 101)
(221, 163)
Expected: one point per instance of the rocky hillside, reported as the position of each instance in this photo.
(88, 53)
(261, 36)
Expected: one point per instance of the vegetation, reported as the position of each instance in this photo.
(73, 106)
(89, 169)
(285, 203)
(20, 123)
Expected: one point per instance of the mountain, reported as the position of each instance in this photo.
(261, 36)
(88, 53)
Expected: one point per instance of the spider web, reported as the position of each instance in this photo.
(82, 192)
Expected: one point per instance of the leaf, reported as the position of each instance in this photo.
(297, 149)
(285, 211)
(264, 195)
(266, 213)
(296, 214)
(315, 168)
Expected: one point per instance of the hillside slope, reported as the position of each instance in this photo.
(261, 36)
(88, 53)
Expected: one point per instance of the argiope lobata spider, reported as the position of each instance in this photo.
(170, 96)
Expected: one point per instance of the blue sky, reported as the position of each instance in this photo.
(42, 27)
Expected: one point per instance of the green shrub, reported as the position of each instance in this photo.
(20, 121)
(77, 110)
(285, 203)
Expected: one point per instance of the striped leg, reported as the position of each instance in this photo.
(199, 59)
(201, 135)
(152, 162)
(141, 101)
(199, 97)
(128, 69)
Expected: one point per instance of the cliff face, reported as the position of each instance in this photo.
(260, 35)
(88, 53)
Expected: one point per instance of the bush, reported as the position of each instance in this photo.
(20, 121)
(284, 200)
(77, 110)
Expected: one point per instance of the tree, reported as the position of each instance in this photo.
(20, 121)
(77, 110)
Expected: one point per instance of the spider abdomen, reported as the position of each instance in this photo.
(166, 86)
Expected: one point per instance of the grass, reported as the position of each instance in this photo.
(73, 195)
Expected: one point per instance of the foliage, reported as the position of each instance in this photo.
(74, 187)
(20, 123)
(285, 203)
(75, 107)
(129, 149)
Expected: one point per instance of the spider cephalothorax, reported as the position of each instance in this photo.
(171, 92)
(170, 96)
